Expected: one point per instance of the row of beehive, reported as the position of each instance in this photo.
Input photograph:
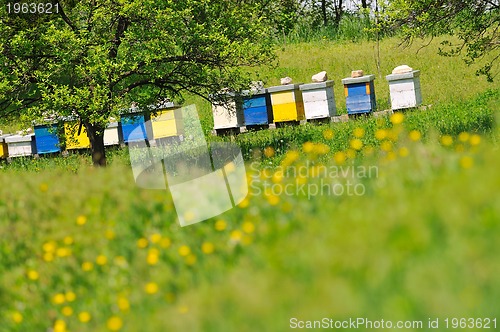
(45, 139)
(296, 102)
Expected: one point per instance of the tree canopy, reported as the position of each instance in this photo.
(476, 23)
(95, 57)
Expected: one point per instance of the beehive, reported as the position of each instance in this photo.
(228, 112)
(319, 100)
(4, 151)
(256, 107)
(405, 90)
(287, 103)
(113, 134)
(167, 122)
(76, 135)
(360, 94)
(132, 121)
(21, 145)
(46, 139)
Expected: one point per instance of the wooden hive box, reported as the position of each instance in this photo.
(405, 90)
(167, 122)
(4, 150)
(76, 135)
(46, 139)
(287, 103)
(256, 107)
(319, 100)
(21, 145)
(360, 94)
(113, 134)
(130, 122)
(227, 112)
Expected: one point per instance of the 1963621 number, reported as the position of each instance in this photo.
(32, 8)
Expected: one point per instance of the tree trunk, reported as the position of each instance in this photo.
(324, 13)
(96, 137)
(364, 4)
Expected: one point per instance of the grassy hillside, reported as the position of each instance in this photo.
(394, 218)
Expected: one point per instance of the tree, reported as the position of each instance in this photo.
(95, 57)
(476, 23)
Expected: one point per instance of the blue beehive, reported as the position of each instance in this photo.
(360, 94)
(46, 139)
(256, 107)
(130, 122)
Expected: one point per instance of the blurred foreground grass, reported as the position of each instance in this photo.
(89, 251)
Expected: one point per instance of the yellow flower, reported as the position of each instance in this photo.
(321, 148)
(273, 199)
(339, 158)
(142, 243)
(152, 257)
(101, 260)
(87, 266)
(359, 132)
(184, 250)
(63, 252)
(155, 238)
(328, 134)
(356, 144)
(207, 248)
(220, 225)
(475, 140)
(248, 227)
(68, 240)
(151, 288)
(190, 259)
(59, 326)
(446, 140)
(466, 162)
(290, 157)
(67, 311)
(33, 275)
(81, 220)
(114, 323)
(165, 242)
(109, 234)
(236, 236)
(70, 296)
(84, 317)
(463, 137)
(48, 257)
(244, 203)
(123, 303)
(380, 134)
(415, 135)
(308, 147)
(351, 154)
(403, 152)
(397, 118)
(58, 298)
(386, 146)
(49, 247)
(44, 187)
(17, 317)
(269, 152)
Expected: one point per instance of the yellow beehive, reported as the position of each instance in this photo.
(287, 103)
(167, 123)
(4, 151)
(76, 136)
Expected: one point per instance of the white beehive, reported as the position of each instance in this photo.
(227, 113)
(21, 145)
(319, 100)
(112, 135)
(405, 90)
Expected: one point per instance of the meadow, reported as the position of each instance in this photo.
(85, 249)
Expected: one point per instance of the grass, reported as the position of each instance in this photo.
(85, 249)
